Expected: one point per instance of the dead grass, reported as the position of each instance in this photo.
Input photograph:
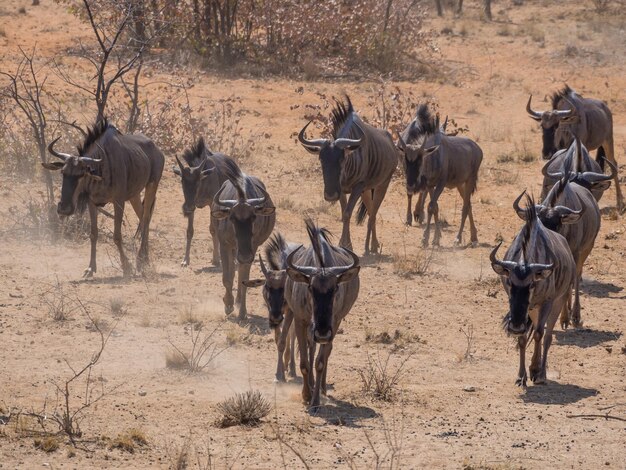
(59, 303)
(468, 354)
(379, 380)
(399, 339)
(408, 266)
(118, 306)
(199, 356)
(188, 318)
(129, 440)
(244, 409)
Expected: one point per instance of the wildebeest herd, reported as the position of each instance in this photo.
(309, 291)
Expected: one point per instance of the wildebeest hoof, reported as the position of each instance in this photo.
(280, 378)
(88, 273)
(457, 241)
(228, 309)
(474, 244)
(292, 374)
(184, 263)
(425, 243)
(409, 220)
(521, 381)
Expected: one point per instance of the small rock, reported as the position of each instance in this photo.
(469, 388)
(609, 349)
(142, 393)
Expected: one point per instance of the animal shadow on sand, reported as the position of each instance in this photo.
(585, 337)
(601, 289)
(374, 259)
(342, 413)
(208, 270)
(255, 324)
(119, 279)
(554, 393)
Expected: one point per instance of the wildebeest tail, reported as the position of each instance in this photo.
(362, 211)
(316, 234)
(600, 156)
(276, 252)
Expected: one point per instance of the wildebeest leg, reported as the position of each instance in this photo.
(464, 211)
(575, 311)
(117, 235)
(535, 364)
(470, 214)
(281, 343)
(320, 366)
(379, 194)
(433, 210)
(228, 275)
(185, 261)
(324, 390)
(610, 155)
(409, 205)
(292, 354)
(216, 244)
(93, 236)
(346, 215)
(366, 197)
(343, 201)
(244, 275)
(138, 208)
(418, 213)
(547, 339)
(303, 346)
(521, 374)
(148, 208)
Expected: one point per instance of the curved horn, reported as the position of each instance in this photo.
(401, 142)
(306, 270)
(258, 201)
(62, 156)
(518, 210)
(180, 165)
(263, 268)
(310, 144)
(566, 112)
(533, 114)
(343, 143)
(89, 160)
(337, 270)
(593, 177)
(566, 210)
(508, 265)
(226, 203)
(547, 174)
(445, 124)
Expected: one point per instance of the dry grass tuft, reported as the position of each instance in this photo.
(244, 409)
(118, 307)
(188, 317)
(129, 440)
(408, 266)
(47, 444)
(379, 380)
(202, 352)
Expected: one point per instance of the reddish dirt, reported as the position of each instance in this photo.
(456, 405)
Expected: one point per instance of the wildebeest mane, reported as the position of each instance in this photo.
(316, 234)
(276, 252)
(554, 195)
(93, 134)
(563, 93)
(340, 114)
(194, 155)
(425, 122)
(234, 175)
(530, 215)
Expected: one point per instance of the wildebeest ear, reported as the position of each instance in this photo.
(568, 216)
(253, 282)
(206, 172)
(348, 275)
(601, 185)
(94, 177)
(297, 276)
(53, 165)
(265, 210)
(176, 170)
(499, 269)
(220, 214)
(543, 274)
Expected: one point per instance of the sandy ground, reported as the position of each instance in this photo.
(457, 404)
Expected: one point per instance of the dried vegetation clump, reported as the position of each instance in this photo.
(244, 409)
(379, 379)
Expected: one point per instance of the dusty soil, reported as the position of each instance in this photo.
(456, 405)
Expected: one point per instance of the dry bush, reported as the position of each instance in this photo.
(244, 409)
(204, 350)
(118, 306)
(61, 305)
(379, 380)
(468, 354)
(601, 5)
(418, 264)
(129, 440)
(188, 318)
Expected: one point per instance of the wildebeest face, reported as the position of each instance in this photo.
(196, 182)
(414, 155)
(76, 170)
(332, 159)
(273, 284)
(548, 132)
(553, 218)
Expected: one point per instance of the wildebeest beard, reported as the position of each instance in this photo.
(275, 298)
(412, 173)
(322, 310)
(548, 142)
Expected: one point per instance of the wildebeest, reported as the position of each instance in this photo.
(201, 179)
(537, 272)
(280, 316)
(359, 160)
(587, 118)
(111, 167)
(435, 161)
(323, 285)
(245, 217)
(572, 211)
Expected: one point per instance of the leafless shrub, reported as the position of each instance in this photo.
(468, 354)
(601, 5)
(118, 306)
(202, 353)
(61, 305)
(244, 409)
(379, 380)
(413, 265)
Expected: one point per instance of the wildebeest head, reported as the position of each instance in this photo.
(332, 154)
(552, 216)
(550, 121)
(273, 283)
(76, 170)
(323, 284)
(192, 178)
(242, 212)
(414, 155)
(520, 279)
